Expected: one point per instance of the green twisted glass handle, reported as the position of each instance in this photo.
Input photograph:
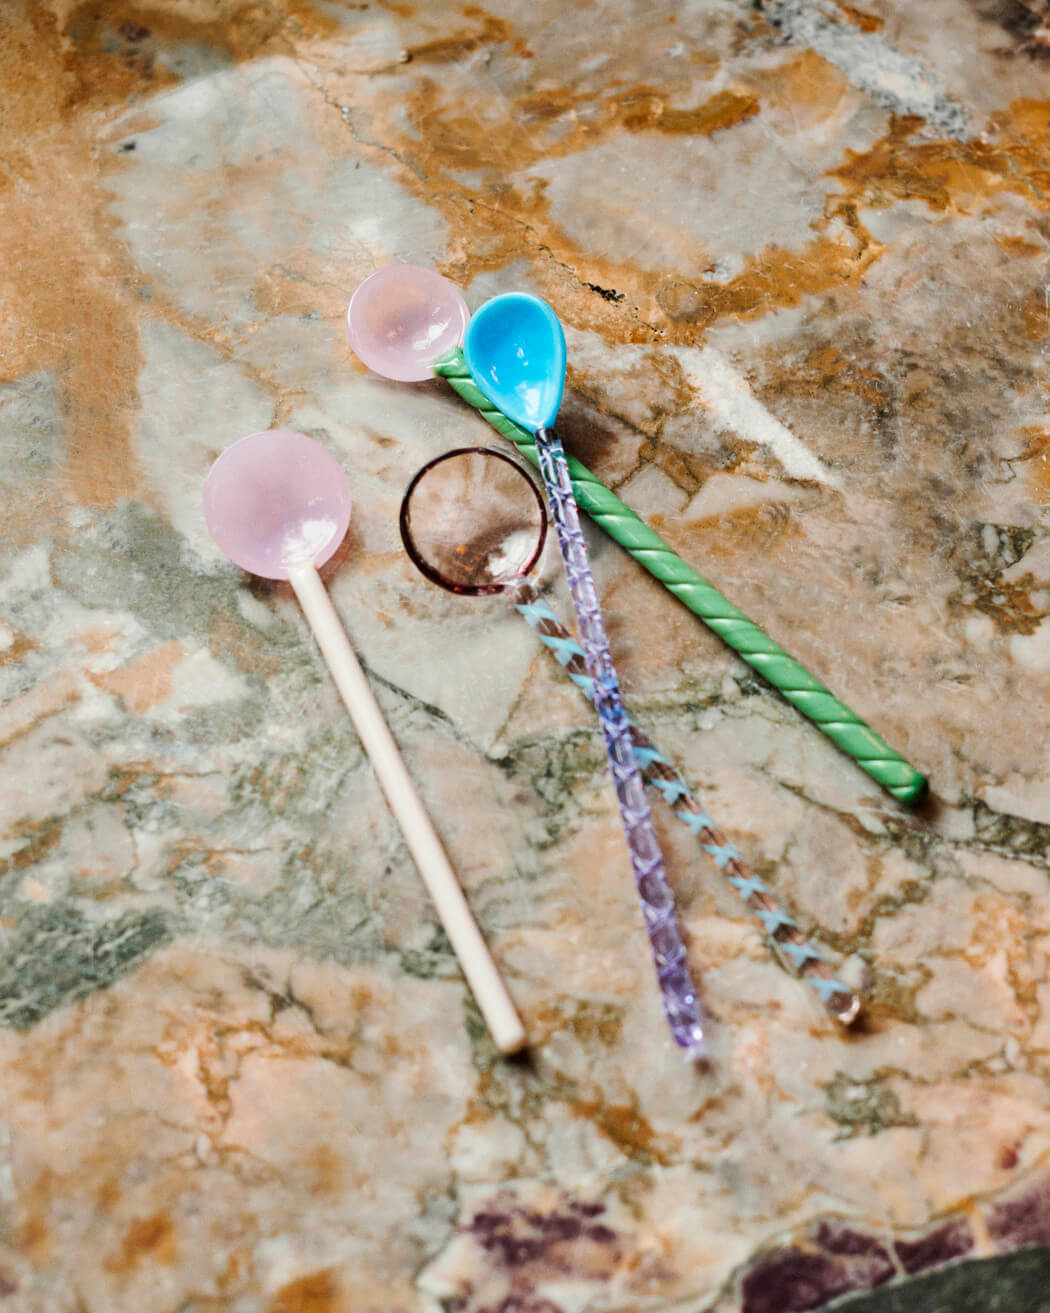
(806, 692)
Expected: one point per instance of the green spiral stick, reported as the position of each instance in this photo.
(843, 726)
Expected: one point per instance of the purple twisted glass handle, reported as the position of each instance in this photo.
(680, 1003)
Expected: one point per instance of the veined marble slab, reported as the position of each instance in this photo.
(802, 253)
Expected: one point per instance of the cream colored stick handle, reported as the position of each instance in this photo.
(423, 843)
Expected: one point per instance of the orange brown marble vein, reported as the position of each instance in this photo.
(952, 175)
(859, 17)
(942, 173)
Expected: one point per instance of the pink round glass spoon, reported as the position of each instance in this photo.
(402, 318)
(278, 504)
(274, 500)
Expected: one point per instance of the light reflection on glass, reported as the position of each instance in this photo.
(473, 521)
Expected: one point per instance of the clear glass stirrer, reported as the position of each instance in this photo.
(473, 522)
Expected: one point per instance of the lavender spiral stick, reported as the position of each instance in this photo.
(680, 1003)
(515, 350)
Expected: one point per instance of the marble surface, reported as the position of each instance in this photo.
(802, 252)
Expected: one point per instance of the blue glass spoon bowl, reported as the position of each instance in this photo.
(515, 349)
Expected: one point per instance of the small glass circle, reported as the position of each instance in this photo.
(277, 499)
(473, 521)
(402, 318)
